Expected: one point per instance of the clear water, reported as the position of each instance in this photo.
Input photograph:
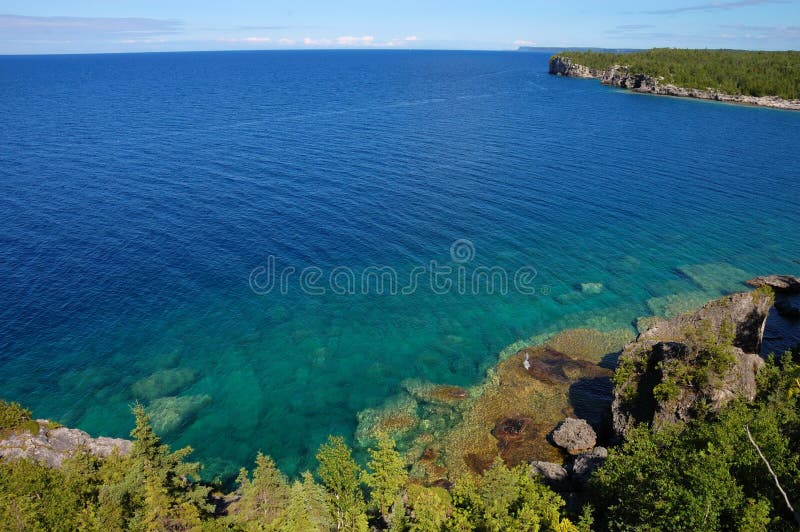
(138, 192)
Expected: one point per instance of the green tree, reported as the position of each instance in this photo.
(507, 499)
(706, 475)
(159, 486)
(429, 507)
(12, 415)
(341, 476)
(262, 498)
(387, 475)
(307, 509)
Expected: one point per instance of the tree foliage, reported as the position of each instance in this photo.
(706, 475)
(342, 476)
(387, 474)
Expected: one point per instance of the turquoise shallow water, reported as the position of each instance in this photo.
(139, 192)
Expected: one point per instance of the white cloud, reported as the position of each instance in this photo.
(524, 43)
(248, 40)
(308, 41)
(351, 41)
(347, 40)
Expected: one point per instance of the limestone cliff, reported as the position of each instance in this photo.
(694, 361)
(621, 76)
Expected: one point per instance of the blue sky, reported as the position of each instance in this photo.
(78, 26)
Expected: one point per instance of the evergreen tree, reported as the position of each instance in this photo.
(341, 476)
(387, 475)
(159, 485)
(263, 497)
(506, 499)
(429, 508)
(307, 510)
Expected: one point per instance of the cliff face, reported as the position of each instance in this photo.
(695, 361)
(563, 66)
(620, 76)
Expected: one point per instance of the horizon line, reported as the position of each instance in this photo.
(386, 49)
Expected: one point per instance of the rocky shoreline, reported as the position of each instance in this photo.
(621, 76)
(50, 444)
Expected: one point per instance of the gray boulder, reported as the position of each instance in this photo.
(575, 435)
(554, 475)
(586, 464)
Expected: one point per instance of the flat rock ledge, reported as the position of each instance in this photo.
(620, 76)
(788, 284)
(51, 446)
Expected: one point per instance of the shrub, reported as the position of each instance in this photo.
(12, 415)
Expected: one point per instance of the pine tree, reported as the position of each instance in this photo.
(429, 508)
(341, 476)
(159, 483)
(387, 475)
(264, 497)
(307, 510)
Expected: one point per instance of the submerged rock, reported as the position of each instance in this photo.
(589, 344)
(671, 305)
(715, 277)
(575, 436)
(164, 383)
(168, 414)
(591, 288)
(52, 446)
(395, 419)
(427, 392)
(511, 414)
(645, 323)
(716, 346)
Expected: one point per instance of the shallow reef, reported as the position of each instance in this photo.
(448, 431)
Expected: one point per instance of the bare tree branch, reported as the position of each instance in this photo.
(774, 476)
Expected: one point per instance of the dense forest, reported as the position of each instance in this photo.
(705, 475)
(730, 71)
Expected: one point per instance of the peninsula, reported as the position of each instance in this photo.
(767, 79)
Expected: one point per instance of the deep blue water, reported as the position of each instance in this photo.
(139, 192)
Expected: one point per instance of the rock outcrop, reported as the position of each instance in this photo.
(786, 284)
(621, 76)
(578, 438)
(586, 464)
(52, 446)
(695, 360)
(554, 475)
(575, 436)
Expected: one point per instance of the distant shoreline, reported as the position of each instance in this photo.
(623, 77)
